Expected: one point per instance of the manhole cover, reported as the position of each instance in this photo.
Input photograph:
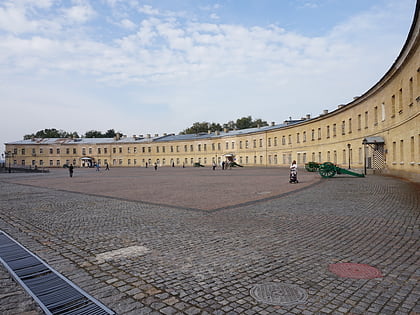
(355, 271)
(278, 294)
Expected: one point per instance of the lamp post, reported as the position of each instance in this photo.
(349, 146)
(364, 142)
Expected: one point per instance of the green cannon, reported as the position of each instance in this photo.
(328, 169)
(312, 166)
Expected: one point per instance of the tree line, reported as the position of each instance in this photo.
(197, 127)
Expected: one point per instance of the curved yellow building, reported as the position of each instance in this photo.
(378, 131)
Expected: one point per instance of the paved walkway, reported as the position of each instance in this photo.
(138, 254)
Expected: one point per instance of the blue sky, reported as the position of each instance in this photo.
(158, 66)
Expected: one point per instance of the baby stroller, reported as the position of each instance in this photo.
(293, 175)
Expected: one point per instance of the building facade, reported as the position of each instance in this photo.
(379, 130)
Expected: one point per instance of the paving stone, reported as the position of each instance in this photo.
(199, 261)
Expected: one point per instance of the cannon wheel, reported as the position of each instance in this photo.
(327, 170)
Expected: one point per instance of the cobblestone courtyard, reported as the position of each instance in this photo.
(195, 241)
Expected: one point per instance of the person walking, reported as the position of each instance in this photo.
(155, 166)
(214, 165)
(106, 166)
(71, 170)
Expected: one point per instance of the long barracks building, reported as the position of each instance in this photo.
(379, 130)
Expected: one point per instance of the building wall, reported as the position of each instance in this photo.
(390, 110)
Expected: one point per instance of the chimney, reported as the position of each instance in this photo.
(165, 134)
(156, 135)
(148, 136)
(273, 123)
(308, 116)
(324, 112)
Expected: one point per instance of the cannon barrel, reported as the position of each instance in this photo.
(328, 169)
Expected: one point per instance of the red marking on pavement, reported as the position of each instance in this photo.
(355, 271)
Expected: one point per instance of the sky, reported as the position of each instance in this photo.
(158, 66)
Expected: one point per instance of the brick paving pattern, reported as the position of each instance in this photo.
(141, 256)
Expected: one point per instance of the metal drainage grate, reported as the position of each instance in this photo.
(274, 293)
(54, 293)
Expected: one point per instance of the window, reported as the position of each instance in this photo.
(359, 122)
(319, 133)
(143, 149)
(213, 147)
(298, 137)
(191, 148)
(343, 127)
(75, 151)
(185, 148)
(67, 151)
(157, 149)
(120, 149)
(83, 151)
(219, 146)
(290, 139)
(366, 120)
(261, 143)
(304, 136)
(328, 132)
(23, 151)
(400, 101)
(90, 151)
(401, 151)
(283, 140)
(246, 144)
(135, 149)
(240, 144)
(255, 143)
(233, 145)
(394, 152)
(313, 134)
(33, 151)
(383, 111)
(412, 155)
(227, 145)
(269, 143)
(128, 150)
(205, 147)
(375, 115)
(41, 150)
(393, 106)
(114, 150)
(199, 147)
(350, 126)
(99, 150)
(410, 92)
(172, 148)
(51, 151)
(275, 141)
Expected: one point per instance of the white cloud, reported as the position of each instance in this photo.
(79, 13)
(127, 24)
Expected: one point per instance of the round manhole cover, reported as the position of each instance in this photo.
(355, 271)
(278, 294)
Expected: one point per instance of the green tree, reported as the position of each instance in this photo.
(199, 127)
(244, 122)
(110, 133)
(51, 133)
(93, 134)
